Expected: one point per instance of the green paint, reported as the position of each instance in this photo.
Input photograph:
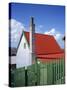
(47, 73)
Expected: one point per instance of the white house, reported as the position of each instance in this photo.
(23, 53)
(34, 45)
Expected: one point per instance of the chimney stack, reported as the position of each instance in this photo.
(32, 40)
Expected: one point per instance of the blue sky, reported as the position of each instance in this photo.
(49, 19)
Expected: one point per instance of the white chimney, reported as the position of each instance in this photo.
(32, 40)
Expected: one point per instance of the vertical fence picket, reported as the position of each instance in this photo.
(40, 74)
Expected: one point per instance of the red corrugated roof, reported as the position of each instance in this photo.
(51, 56)
(45, 45)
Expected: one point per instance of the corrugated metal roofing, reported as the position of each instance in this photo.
(46, 47)
(45, 44)
(51, 56)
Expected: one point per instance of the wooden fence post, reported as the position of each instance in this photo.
(26, 78)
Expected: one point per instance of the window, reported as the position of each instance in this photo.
(24, 45)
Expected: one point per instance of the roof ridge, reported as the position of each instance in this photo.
(39, 33)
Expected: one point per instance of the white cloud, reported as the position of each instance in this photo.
(16, 24)
(57, 35)
(16, 29)
(51, 32)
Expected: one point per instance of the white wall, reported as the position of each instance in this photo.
(23, 55)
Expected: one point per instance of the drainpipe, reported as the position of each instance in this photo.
(26, 77)
(32, 46)
(32, 40)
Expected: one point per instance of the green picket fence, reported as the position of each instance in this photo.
(46, 73)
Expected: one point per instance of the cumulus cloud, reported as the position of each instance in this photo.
(16, 29)
(57, 35)
(51, 32)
